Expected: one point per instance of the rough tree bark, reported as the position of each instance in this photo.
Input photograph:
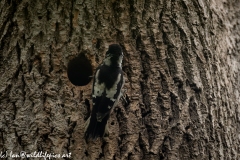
(182, 77)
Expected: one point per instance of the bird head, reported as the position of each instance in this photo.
(114, 56)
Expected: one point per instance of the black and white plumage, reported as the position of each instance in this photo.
(106, 91)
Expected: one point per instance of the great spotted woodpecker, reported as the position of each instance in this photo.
(106, 91)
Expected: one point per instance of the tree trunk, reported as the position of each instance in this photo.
(181, 68)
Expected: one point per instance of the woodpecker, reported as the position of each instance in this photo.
(106, 91)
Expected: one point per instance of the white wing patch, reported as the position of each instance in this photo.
(113, 90)
(98, 88)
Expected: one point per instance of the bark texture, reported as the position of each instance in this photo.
(182, 77)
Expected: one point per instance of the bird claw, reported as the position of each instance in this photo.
(87, 124)
(123, 97)
(106, 132)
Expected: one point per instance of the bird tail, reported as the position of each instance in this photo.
(94, 128)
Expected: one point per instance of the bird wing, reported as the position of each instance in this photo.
(104, 99)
